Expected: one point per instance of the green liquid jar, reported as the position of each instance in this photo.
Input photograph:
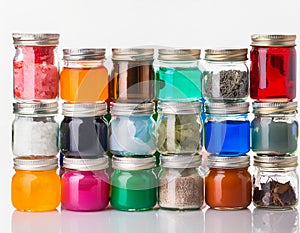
(133, 183)
(178, 77)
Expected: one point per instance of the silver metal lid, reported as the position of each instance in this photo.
(275, 161)
(132, 108)
(273, 40)
(227, 108)
(180, 161)
(100, 163)
(36, 39)
(179, 107)
(88, 54)
(132, 54)
(133, 163)
(228, 162)
(35, 163)
(84, 109)
(274, 107)
(35, 108)
(179, 54)
(226, 54)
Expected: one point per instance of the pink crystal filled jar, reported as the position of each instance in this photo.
(85, 184)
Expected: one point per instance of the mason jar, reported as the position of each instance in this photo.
(227, 128)
(177, 75)
(225, 75)
(274, 129)
(35, 129)
(275, 182)
(84, 77)
(35, 67)
(179, 128)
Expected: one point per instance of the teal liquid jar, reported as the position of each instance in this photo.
(178, 76)
(274, 129)
(133, 183)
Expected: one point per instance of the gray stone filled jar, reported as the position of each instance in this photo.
(274, 129)
(225, 75)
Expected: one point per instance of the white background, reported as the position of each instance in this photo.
(128, 23)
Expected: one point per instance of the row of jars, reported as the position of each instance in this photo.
(178, 74)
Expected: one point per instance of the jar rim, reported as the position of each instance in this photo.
(267, 161)
(132, 108)
(35, 163)
(179, 54)
(180, 161)
(274, 107)
(36, 39)
(87, 54)
(230, 54)
(133, 163)
(273, 40)
(27, 108)
(226, 108)
(132, 54)
(81, 164)
(84, 109)
(179, 107)
(215, 161)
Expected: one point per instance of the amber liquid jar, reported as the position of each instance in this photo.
(273, 68)
(228, 182)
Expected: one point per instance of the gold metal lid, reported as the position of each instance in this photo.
(179, 54)
(273, 40)
(36, 39)
(132, 54)
(226, 54)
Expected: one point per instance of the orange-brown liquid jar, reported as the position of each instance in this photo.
(228, 183)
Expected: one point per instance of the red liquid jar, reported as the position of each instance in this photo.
(273, 68)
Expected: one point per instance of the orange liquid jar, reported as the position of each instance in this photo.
(228, 183)
(35, 186)
(84, 78)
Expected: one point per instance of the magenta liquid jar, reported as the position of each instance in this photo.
(85, 184)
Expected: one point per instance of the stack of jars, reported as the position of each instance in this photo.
(225, 87)
(179, 128)
(274, 127)
(35, 185)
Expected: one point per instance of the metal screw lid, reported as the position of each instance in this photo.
(132, 54)
(36, 163)
(35, 108)
(180, 161)
(133, 163)
(88, 54)
(275, 161)
(36, 39)
(179, 54)
(132, 108)
(215, 161)
(226, 54)
(273, 40)
(100, 163)
(84, 109)
(274, 107)
(227, 108)
(179, 107)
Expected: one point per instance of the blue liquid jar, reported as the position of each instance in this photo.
(227, 129)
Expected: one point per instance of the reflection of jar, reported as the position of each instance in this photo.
(226, 75)
(227, 128)
(84, 78)
(85, 184)
(178, 77)
(35, 129)
(275, 182)
(179, 128)
(35, 67)
(83, 131)
(132, 129)
(133, 183)
(180, 182)
(274, 128)
(132, 75)
(228, 182)
(35, 185)
(273, 67)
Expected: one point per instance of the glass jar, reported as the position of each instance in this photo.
(35, 129)
(179, 128)
(275, 181)
(35, 186)
(178, 77)
(132, 75)
(35, 67)
(133, 183)
(83, 77)
(85, 184)
(274, 129)
(228, 182)
(227, 128)
(132, 129)
(273, 68)
(225, 75)
(83, 131)
(180, 183)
